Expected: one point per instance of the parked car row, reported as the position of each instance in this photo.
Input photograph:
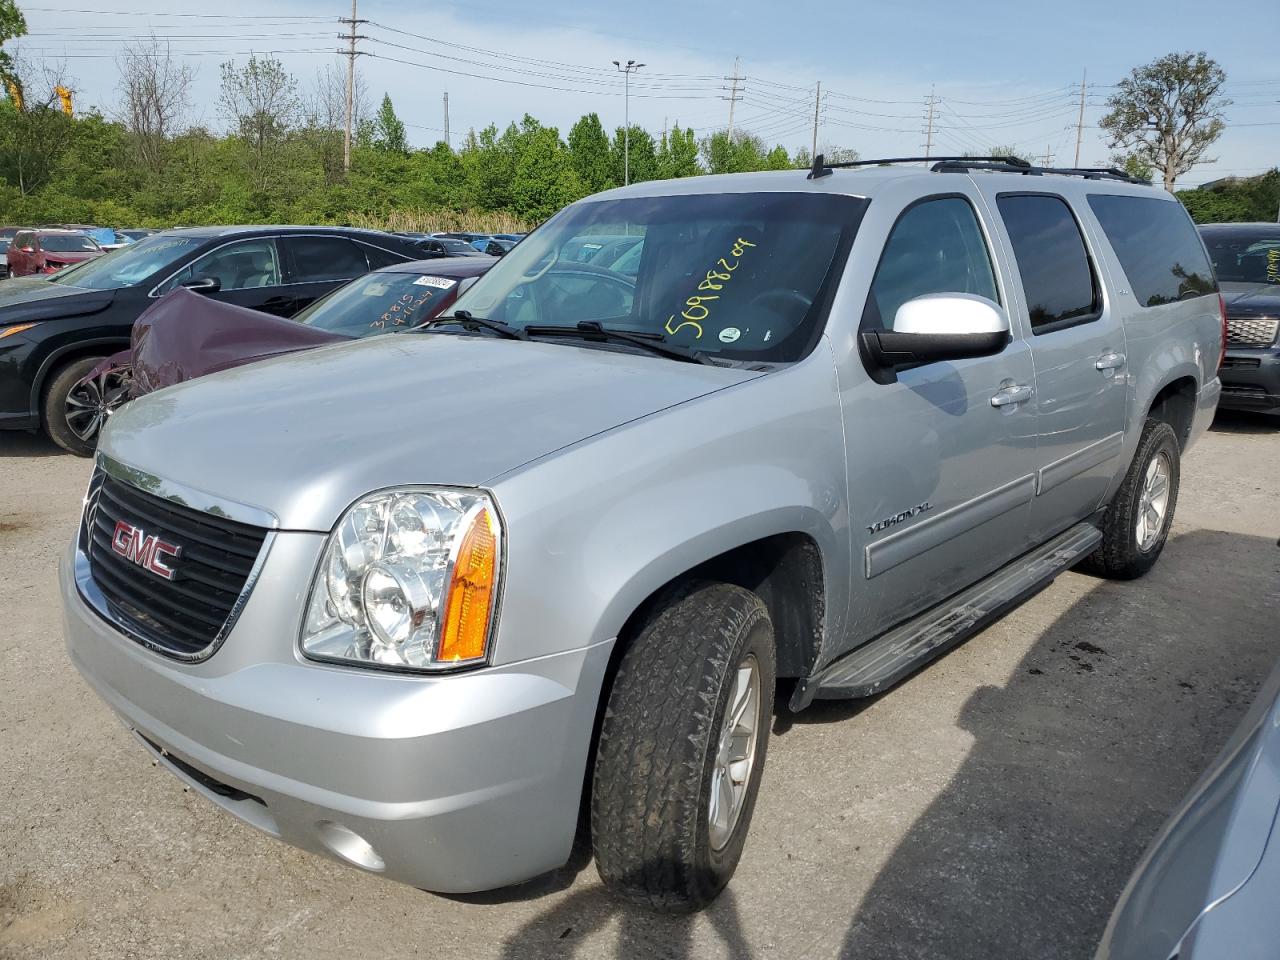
(48, 248)
(55, 329)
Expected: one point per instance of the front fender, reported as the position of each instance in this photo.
(596, 528)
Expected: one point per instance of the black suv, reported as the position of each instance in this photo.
(54, 330)
(1246, 257)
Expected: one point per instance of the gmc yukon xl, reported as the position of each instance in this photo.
(415, 602)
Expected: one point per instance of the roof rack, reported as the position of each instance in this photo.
(821, 168)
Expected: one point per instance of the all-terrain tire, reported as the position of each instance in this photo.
(1121, 556)
(53, 406)
(660, 740)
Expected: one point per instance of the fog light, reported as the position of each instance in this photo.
(350, 846)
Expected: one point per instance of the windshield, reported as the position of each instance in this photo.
(380, 303)
(128, 265)
(1244, 259)
(67, 243)
(746, 276)
(453, 245)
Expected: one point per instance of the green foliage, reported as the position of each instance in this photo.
(12, 25)
(388, 131)
(678, 154)
(644, 155)
(1236, 199)
(589, 153)
(1168, 112)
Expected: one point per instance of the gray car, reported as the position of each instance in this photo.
(1206, 887)
(411, 602)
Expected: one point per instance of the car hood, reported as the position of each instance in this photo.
(33, 298)
(184, 335)
(303, 436)
(1252, 299)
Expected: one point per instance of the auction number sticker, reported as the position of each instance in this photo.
(718, 277)
(444, 283)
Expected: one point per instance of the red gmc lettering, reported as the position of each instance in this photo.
(147, 552)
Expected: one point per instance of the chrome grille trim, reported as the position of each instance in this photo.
(1251, 332)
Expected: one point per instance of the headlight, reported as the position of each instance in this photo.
(408, 579)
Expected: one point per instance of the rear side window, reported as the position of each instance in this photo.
(1158, 247)
(379, 258)
(325, 258)
(935, 247)
(1057, 277)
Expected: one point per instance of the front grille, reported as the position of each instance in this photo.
(1251, 332)
(185, 615)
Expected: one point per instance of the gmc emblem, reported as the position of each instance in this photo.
(148, 552)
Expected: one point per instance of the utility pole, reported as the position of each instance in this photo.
(630, 68)
(1048, 156)
(351, 54)
(817, 105)
(928, 142)
(1084, 81)
(733, 92)
(447, 138)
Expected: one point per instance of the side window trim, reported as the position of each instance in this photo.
(232, 243)
(284, 243)
(1090, 256)
(988, 239)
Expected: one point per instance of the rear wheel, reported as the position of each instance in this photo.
(77, 406)
(682, 747)
(1136, 524)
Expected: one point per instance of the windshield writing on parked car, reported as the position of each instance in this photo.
(1246, 260)
(379, 303)
(128, 265)
(743, 276)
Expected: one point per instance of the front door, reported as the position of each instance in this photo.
(1078, 344)
(249, 275)
(941, 462)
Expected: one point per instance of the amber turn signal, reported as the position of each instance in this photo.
(472, 592)
(16, 328)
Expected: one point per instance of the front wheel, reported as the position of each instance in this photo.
(76, 406)
(682, 747)
(1136, 524)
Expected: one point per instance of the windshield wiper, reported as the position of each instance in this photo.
(594, 330)
(466, 318)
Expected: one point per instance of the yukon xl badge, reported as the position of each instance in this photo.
(897, 518)
(148, 552)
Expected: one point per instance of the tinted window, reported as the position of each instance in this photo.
(317, 259)
(742, 275)
(935, 247)
(1157, 245)
(238, 266)
(1240, 257)
(1057, 277)
(379, 258)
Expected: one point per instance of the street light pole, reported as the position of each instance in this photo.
(627, 70)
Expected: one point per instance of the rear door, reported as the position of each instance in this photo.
(941, 462)
(1078, 346)
(318, 264)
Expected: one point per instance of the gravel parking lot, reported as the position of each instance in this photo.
(991, 806)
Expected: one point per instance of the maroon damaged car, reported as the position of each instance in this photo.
(185, 335)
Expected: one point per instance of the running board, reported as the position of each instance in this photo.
(884, 661)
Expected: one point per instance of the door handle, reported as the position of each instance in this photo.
(1012, 394)
(1110, 361)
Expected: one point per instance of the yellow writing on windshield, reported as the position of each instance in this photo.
(1273, 265)
(695, 308)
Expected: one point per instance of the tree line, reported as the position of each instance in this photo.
(279, 157)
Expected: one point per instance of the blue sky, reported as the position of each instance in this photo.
(1003, 73)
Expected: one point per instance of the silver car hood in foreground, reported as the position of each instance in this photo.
(303, 436)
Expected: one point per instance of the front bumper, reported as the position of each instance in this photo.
(450, 783)
(1251, 379)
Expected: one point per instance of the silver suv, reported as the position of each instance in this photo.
(414, 602)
